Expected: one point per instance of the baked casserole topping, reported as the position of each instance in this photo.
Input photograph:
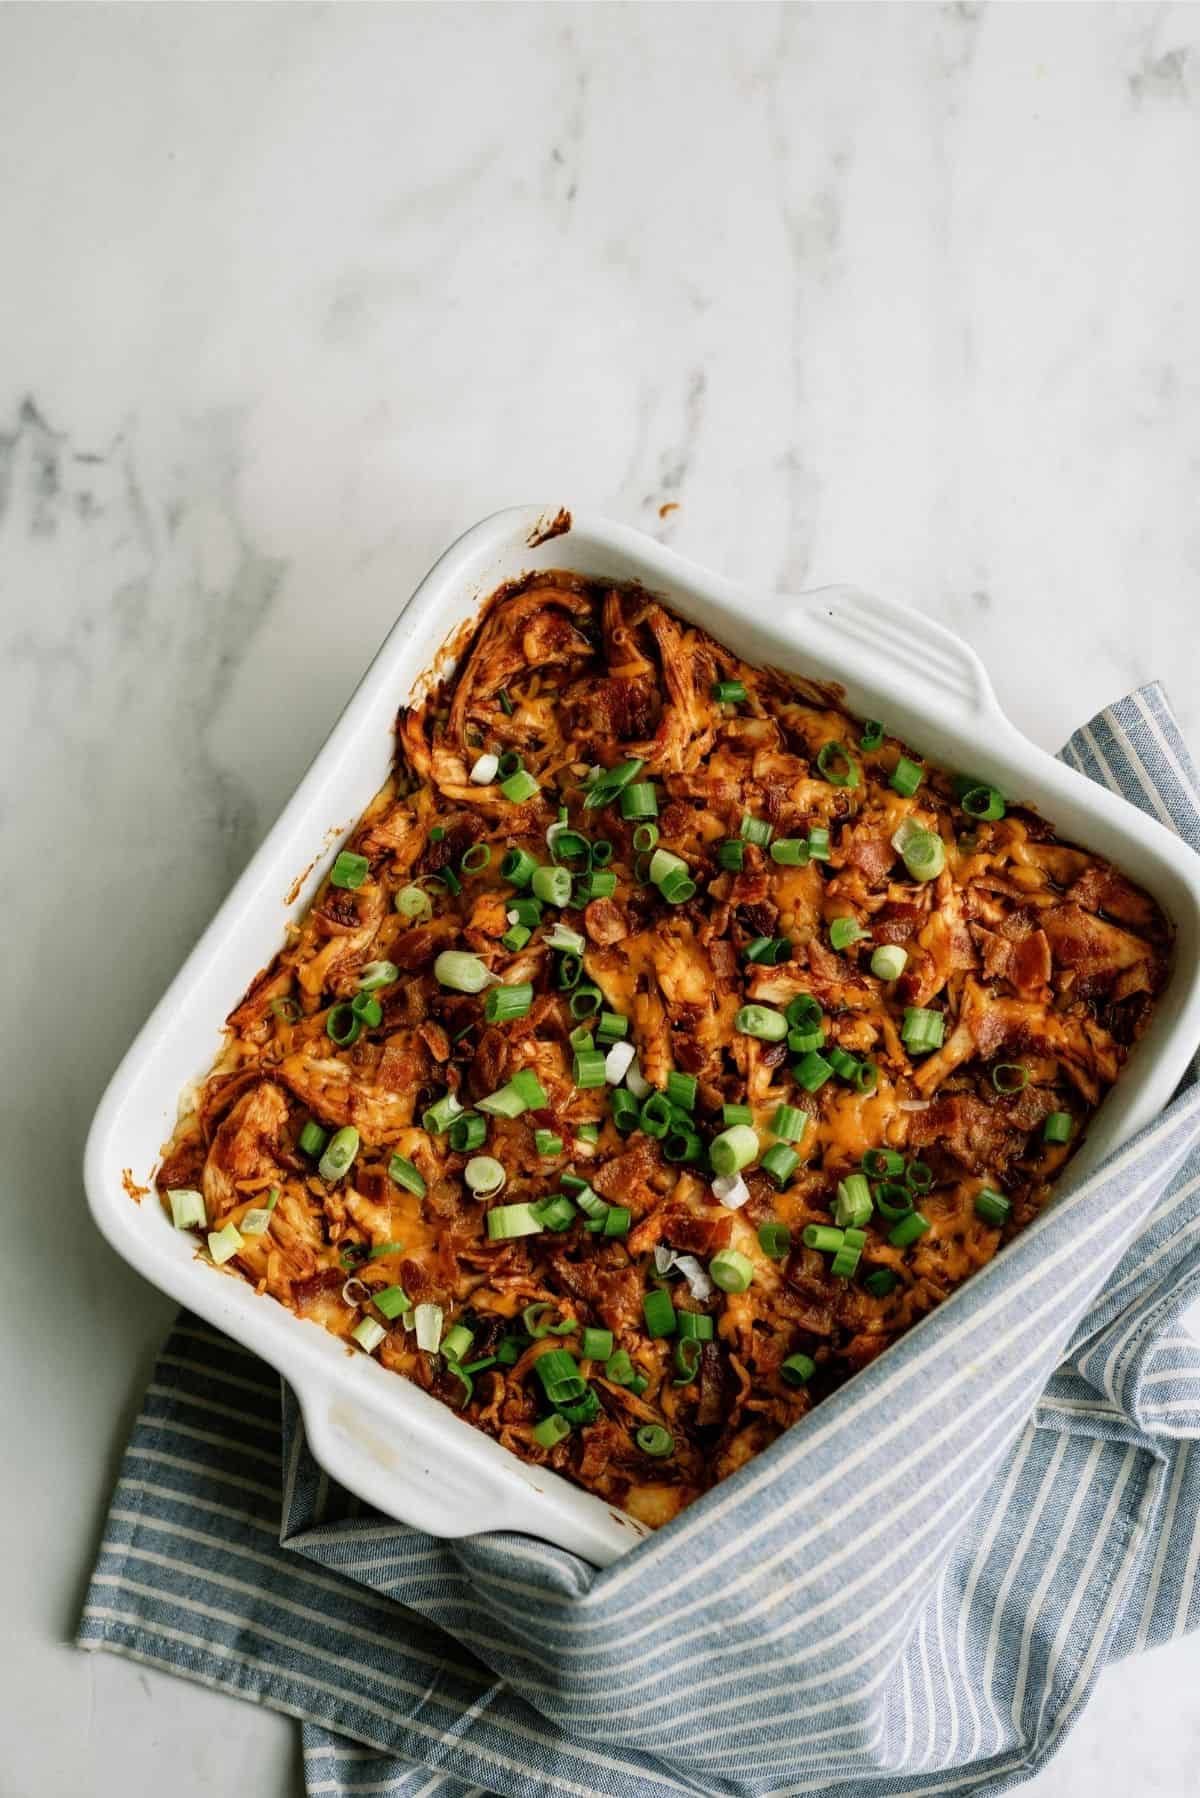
(662, 1045)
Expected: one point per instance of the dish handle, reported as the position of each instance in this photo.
(882, 640)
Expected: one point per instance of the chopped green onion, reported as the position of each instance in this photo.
(349, 870)
(908, 1230)
(872, 735)
(881, 1281)
(645, 837)
(731, 1270)
(984, 803)
(775, 1241)
(738, 1114)
(341, 1025)
(677, 889)
(511, 762)
(368, 1333)
(568, 846)
(287, 1009)
(1057, 1127)
(393, 1301)
(883, 1164)
(377, 974)
(624, 1110)
(659, 1312)
(516, 937)
(812, 1072)
(367, 1010)
(789, 1124)
(697, 1325)
(888, 961)
(448, 878)
(525, 910)
(836, 764)
(804, 1013)
(798, 1370)
(597, 1345)
(801, 1041)
(312, 1139)
(601, 883)
(602, 851)
(906, 777)
(729, 692)
(1010, 1076)
(922, 851)
(534, 1319)
(437, 833)
(382, 1249)
(438, 1119)
(427, 1320)
(734, 1149)
(653, 1440)
(556, 1213)
(865, 1077)
(343, 1147)
(460, 972)
(922, 1029)
(845, 1262)
(656, 1115)
(406, 1174)
(546, 1142)
(483, 1174)
(756, 830)
(456, 1342)
(507, 1221)
(791, 852)
(504, 1003)
(585, 1411)
(510, 1349)
(852, 1206)
(518, 867)
(992, 1207)
(551, 1430)
(559, 1374)
(682, 1145)
(894, 1201)
(769, 950)
(522, 1093)
(611, 1027)
(919, 1177)
(586, 1001)
(413, 903)
(588, 1069)
(224, 1244)
(609, 782)
(519, 786)
(553, 885)
(476, 858)
(682, 1089)
(687, 1360)
(664, 863)
(617, 1220)
(731, 854)
(760, 1021)
(467, 1132)
(824, 1237)
(818, 843)
(187, 1208)
(639, 801)
(779, 1164)
(506, 704)
(845, 931)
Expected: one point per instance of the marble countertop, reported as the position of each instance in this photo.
(292, 294)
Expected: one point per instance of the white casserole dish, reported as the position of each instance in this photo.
(382, 1437)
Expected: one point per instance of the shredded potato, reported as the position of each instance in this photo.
(1038, 962)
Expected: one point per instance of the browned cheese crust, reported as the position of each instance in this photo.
(1037, 954)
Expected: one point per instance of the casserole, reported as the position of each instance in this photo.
(402, 1450)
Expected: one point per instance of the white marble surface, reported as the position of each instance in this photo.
(290, 295)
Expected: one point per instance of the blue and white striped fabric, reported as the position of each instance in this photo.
(912, 1593)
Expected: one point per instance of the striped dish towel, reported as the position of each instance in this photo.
(911, 1593)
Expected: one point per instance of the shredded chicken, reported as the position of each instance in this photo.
(1038, 962)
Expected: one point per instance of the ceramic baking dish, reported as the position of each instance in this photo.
(381, 1436)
